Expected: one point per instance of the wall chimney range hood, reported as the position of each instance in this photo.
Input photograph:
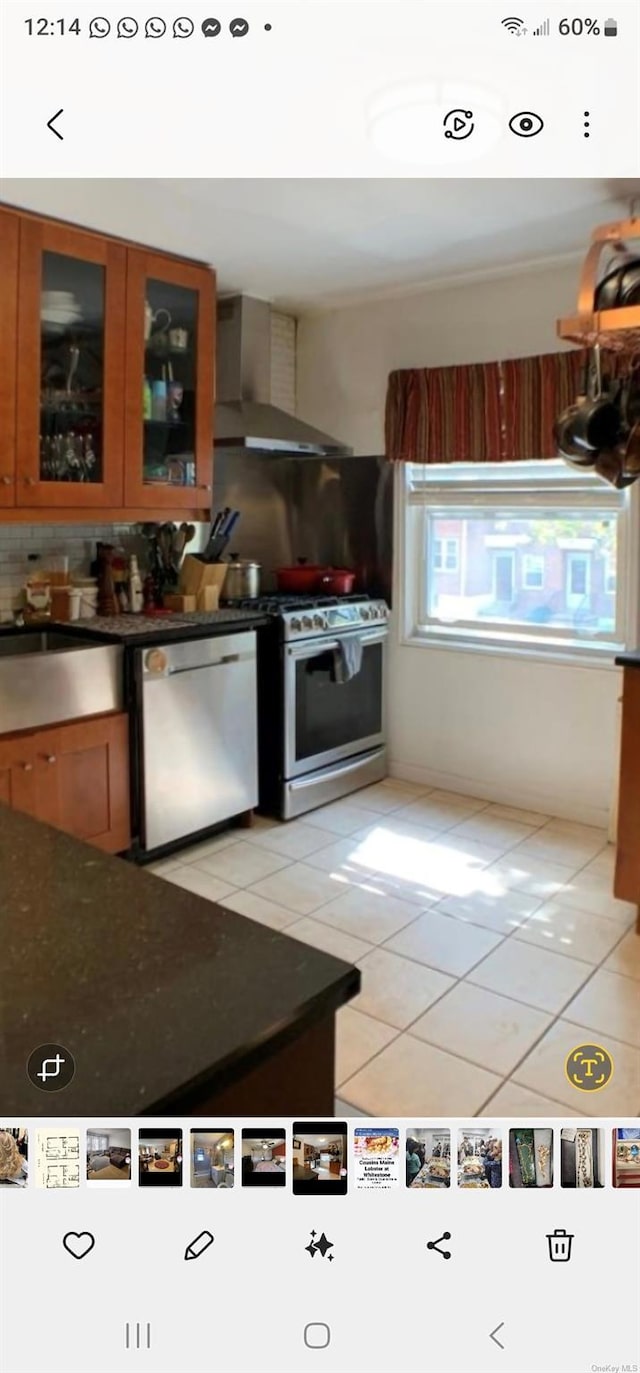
(245, 419)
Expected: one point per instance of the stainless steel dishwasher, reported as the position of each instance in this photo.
(199, 735)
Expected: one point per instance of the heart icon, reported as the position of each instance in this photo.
(79, 1245)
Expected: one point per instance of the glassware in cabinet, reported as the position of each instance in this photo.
(71, 319)
(170, 383)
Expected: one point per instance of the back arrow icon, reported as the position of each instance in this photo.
(493, 1334)
(51, 122)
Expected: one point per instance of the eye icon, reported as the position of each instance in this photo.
(526, 124)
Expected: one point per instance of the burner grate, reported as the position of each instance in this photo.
(279, 603)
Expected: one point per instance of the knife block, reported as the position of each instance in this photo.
(202, 580)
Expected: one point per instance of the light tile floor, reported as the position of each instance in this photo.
(488, 937)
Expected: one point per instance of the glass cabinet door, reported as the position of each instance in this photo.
(71, 376)
(170, 383)
(9, 239)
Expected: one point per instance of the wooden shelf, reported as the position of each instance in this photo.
(617, 331)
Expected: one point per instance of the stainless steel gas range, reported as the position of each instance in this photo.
(321, 729)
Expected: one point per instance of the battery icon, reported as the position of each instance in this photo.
(610, 28)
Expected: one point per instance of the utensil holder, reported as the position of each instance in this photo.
(202, 580)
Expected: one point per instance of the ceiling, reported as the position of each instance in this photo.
(309, 244)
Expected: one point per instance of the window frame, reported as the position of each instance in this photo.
(430, 490)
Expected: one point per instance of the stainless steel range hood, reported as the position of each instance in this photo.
(245, 418)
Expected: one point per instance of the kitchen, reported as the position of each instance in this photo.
(348, 798)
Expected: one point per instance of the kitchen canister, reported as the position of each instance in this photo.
(88, 599)
(74, 595)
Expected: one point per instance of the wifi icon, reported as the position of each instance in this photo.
(513, 25)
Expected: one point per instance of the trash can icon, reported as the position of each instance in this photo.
(560, 1246)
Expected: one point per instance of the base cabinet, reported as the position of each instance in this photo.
(627, 871)
(17, 773)
(74, 777)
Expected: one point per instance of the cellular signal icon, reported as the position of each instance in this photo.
(543, 30)
(513, 25)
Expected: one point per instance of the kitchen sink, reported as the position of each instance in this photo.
(46, 641)
(48, 676)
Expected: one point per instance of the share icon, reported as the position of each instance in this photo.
(433, 1244)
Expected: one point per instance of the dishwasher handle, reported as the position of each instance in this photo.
(203, 667)
(192, 655)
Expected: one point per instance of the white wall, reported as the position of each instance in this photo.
(523, 732)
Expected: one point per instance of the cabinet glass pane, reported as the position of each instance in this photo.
(169, 384)
(72, 369)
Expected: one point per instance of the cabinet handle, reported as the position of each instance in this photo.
(30, 481)
(50, 758)
(7, 481)
(204, 486)
(27, 767)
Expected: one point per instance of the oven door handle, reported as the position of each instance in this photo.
(311, 648)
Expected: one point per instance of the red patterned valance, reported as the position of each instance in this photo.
(444, 414)
(483, 412)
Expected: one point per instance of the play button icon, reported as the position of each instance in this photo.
(458, 124)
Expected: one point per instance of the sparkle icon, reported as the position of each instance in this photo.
(321, 1247)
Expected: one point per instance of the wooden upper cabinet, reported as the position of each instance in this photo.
(9, 239)
(170, 357)
(71, 347)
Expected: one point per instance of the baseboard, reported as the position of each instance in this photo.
(567, 807)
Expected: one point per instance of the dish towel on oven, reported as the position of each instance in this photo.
(347, 658)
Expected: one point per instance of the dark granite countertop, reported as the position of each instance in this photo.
(153, 989)
(630, 659)
(135, 630)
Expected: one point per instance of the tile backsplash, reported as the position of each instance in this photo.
(25, 548)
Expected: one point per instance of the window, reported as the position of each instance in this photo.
(97, 1144)
(533, 571)
(537, 551)
(578, 579)
(445, 555)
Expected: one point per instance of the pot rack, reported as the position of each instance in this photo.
(618, 330)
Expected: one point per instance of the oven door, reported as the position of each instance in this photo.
(327, 720)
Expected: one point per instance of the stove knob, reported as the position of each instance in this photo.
(295, 624)
(307, 622)
(319, 622)
(364, 612)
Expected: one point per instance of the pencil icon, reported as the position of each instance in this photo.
(197, 1246)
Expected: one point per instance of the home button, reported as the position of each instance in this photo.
(317, 1335)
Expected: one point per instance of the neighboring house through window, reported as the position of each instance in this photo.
(445, 555)
(533, 571)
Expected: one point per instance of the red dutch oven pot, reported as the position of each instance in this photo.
(303, 579)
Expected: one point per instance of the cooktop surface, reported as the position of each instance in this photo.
(279, 603)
